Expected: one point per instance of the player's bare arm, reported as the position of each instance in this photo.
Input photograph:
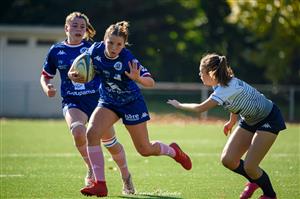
(202, 107)
(48, 88)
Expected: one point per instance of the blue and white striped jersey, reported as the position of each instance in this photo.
(241, 98)
(60, 57)
(115, 88)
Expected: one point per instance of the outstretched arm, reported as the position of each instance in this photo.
(202, 107)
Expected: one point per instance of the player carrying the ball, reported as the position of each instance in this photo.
(260, 123)
(79, 100)
(120, 97)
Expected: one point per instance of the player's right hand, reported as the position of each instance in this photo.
(75, 76)
(174, 103)
(51, 90)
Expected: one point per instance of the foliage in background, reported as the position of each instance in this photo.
(261, 40)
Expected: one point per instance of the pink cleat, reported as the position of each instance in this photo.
(181, 157)
(98, 189)
(249, 190)
(266, 197)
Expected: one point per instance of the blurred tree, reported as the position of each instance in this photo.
(170, 36)
(275, 28)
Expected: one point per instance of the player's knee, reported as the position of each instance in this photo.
(78, 130)
(144, 151)
(93, 136)
(228, 161)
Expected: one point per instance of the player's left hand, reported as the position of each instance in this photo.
(134, 73)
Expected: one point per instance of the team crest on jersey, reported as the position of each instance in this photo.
(82, 50)
(118, 65)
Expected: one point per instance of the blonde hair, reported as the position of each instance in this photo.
(216, 66)
(118, 29)
(90, 31)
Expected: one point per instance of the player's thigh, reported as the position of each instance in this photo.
(139, 135)
(237, 144)
(102, 120)
(73, 115)
(260, 146)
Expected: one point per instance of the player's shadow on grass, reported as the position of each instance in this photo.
(150, 196)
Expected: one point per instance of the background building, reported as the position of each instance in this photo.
(22, 53)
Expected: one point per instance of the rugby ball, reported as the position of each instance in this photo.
(84, 66)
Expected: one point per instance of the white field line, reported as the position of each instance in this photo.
(64, 155)
(10, 175)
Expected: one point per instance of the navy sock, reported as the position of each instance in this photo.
(265, 184)
(240, 170)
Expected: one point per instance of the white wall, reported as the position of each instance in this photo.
(20, 68)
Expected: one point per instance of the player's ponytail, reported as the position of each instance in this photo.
(217, 68)
(223, 72)
(118, 29)
(90, 32)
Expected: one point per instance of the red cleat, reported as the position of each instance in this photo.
(181, 157)
(266, 197)
(249, 190)
(98, 189)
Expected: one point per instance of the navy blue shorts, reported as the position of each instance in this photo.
(273, 123)
(85, 103)
(132, 113)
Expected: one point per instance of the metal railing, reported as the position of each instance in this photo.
(26, 99)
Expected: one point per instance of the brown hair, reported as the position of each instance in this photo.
(217, 67)
(118, 29)
(90, 31)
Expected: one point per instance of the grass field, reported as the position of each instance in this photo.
(38, 160)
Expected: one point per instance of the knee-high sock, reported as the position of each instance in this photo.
(97, 162)
(120, 159)
(165, 149)
(240, 170)
(84, 154)
(265, 184)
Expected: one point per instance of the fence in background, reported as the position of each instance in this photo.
(26, 100)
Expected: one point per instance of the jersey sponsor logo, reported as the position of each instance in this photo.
(79, 93)
(130, 117)
(61, 52)
(84, 49)
(118, 65)
(266, 125)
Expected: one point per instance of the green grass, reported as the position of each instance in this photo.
(38, 160)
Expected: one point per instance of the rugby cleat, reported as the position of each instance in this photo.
(181, 157)
(98, 189)
(249, 190)
(128, 187)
